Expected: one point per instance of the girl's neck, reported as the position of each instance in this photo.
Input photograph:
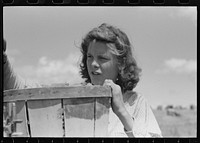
(127, 95)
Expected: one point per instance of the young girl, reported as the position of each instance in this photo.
(107, 60)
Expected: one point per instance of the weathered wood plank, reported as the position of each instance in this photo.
(57, 93)
(102, 106)
(21, 115)
(79, 117)
(45, 118)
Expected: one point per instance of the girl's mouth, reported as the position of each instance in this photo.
(95, 73)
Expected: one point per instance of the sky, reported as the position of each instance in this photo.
(43, 46)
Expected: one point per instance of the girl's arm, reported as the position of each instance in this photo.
(127, 121)
(119, 108)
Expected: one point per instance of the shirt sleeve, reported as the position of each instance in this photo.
(145, 124)
(14, 81)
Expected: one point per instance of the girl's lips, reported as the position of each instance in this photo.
(95, 73)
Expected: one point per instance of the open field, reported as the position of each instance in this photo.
(183, 125)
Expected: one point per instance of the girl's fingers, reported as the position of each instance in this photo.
(114, 87)
(108, 82)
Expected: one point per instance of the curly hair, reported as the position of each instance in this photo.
(117, 40)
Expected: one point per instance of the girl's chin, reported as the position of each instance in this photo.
(97, 83)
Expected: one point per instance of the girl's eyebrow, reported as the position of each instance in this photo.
(89, 53)
(104, 56)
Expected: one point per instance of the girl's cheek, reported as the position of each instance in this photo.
(88, 65)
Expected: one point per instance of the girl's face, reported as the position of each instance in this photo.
(101, 63)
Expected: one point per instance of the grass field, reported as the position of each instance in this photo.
(184, 125)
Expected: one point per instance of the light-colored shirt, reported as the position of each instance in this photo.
(145, 124)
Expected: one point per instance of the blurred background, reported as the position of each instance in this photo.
(43, 46)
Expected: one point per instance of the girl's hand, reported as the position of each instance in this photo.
(117, 97)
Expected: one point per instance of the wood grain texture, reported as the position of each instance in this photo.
(57, 93)
(45, 119)
(79, 117)
(102, 106)
(74, 111)
(21, 115)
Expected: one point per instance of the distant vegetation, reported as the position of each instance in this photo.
(177, 121)
(160, 107)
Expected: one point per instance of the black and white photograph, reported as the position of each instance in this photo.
(98, 71)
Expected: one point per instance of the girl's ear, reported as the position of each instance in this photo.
(121, 70)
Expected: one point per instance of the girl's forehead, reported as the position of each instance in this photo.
(99, 47)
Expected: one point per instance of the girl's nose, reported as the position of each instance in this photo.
(95, 64)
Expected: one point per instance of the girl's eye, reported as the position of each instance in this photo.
(89, 56)
(103, 58)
